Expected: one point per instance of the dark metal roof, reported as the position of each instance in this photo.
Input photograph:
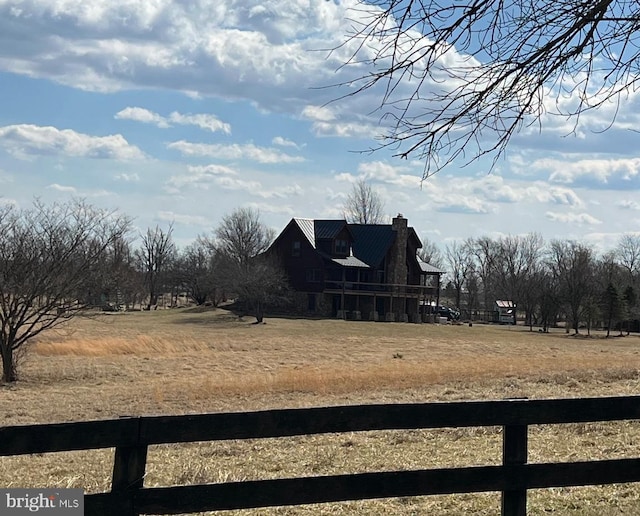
(371, 242)
(328, 228)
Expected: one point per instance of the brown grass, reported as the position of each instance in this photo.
(172, 362)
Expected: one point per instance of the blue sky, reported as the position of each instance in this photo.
(181, 111)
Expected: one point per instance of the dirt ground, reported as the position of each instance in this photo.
(190, 361)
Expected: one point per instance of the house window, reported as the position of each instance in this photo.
(295, 248)
(342, 247)
(313, 275)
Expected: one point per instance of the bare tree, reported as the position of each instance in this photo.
(628, 253)
(49, 255)
(548, 295)
(242, 240)
(484, 252)
(118, 284)
(572, 265)
(154, 257)
(262, 284)
(517, 268)
(198, 270)
(460, 264)
(364, 205)
(430, 253)
(127, 286)
(458, 80)
(241, 235)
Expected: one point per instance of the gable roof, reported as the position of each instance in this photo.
(307, 228)
(315, 230)
(372, 241)
(325, 229)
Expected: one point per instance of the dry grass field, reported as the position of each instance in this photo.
(189, 361)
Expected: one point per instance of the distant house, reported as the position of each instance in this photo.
(504, 312)
(357, 271)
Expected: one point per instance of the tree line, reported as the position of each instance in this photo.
(559, 280)
(62, 260)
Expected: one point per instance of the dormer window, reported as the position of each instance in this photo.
(342, 247)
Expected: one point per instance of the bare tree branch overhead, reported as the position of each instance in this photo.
(458, 80)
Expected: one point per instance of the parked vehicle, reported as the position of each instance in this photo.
(449, 313)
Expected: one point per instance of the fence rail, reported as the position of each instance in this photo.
(131, 438)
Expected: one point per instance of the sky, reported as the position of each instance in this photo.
(178, 112)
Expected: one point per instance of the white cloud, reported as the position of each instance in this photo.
(602, 242)
(281, 192)
(268, 52)
(579, 219)
(559, 195)
(280, 56)
(234, 152)
(554, 194)
(24, 141)
(283, 142)
(179, 218)
(5, 177)
(220, 177)
(230, 49)
(232, 183)
(497, 189)
(64, 189)
(272, 208)
(380, 171)
(210, 170)
(493, 188)
(318, 114)
(457, 203)
(258, 189)
(337, 122)
(75, 192)
(201, 120)
(628, 204)
(595, 171)
(128, 178)
(201, 176)
(145, 116)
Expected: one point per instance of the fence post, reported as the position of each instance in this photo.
(129, 468)
(514, 452)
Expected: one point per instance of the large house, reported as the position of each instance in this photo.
(357, 271)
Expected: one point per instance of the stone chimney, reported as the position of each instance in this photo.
(398, 259)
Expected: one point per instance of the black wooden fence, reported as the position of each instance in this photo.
(131, 438)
